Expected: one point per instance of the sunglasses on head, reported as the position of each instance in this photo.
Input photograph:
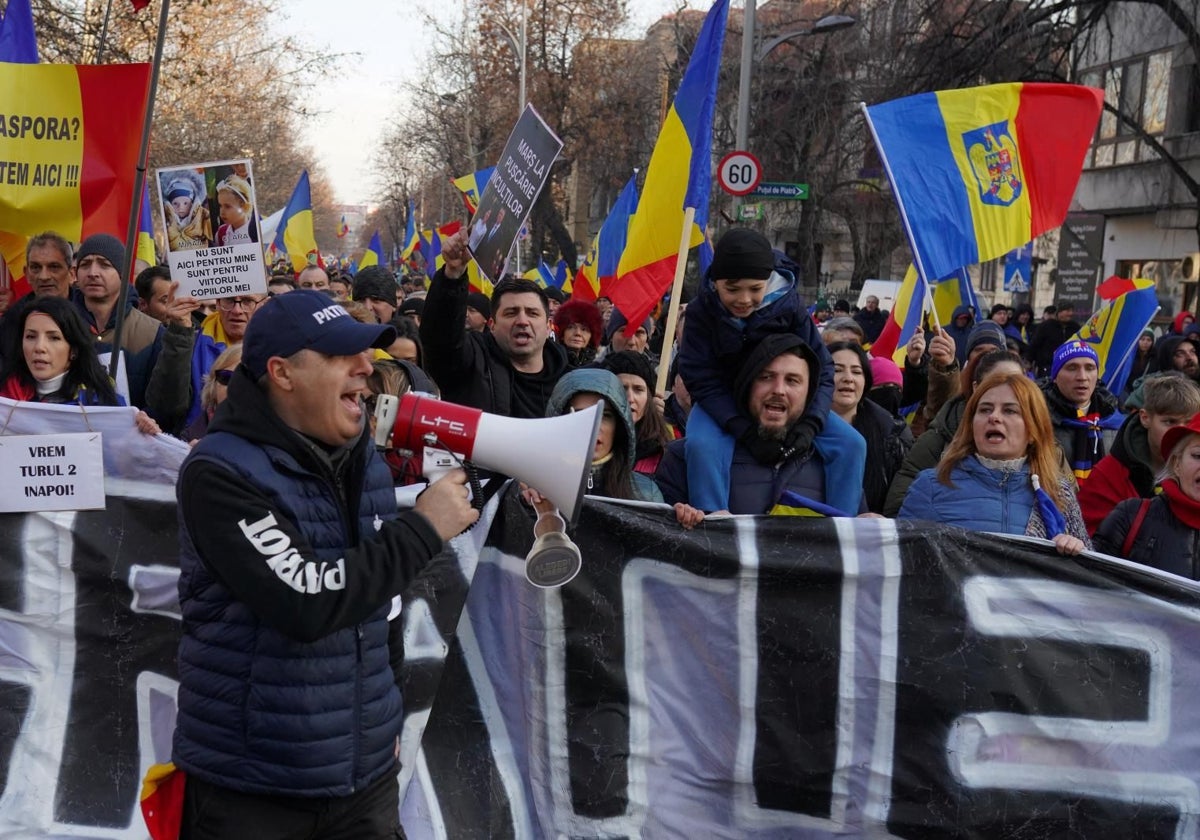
(223, 376)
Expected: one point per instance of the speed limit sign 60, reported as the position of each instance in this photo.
(739, 173)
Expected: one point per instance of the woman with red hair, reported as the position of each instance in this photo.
(579, 326)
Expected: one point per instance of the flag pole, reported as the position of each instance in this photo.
(664, 360)
(917, 261)
(139, 183)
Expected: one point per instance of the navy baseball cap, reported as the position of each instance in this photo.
(307, 320)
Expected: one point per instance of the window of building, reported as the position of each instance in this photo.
(1139, 88)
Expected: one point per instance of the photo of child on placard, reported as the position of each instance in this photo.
(185, 205)
(230, 185)
(211, 220)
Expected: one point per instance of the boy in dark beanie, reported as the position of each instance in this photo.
(744, 298)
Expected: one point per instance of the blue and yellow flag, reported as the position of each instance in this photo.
(410, 232)
(295, 236)
(679, 176)
(793, 504)
(980, 171)
(145, 237)
(1113, 332)
(374, 253)
(472, 186)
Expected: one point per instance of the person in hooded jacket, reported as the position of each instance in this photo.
(1163, 532)
(743, 299)
(1171, 352)
(959, 330)
(612, 473)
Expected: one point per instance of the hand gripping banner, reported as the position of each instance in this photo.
(757, 677)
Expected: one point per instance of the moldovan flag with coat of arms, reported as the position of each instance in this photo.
(980, 171)
(679, 176)
(69, 137)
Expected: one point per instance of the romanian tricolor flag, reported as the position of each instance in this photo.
(374, 253)
(794, 504)
(69, 148)
(410, 232)
(162, 801)
(1114, 287)
(599, 270)
(472, 186)
(903, 321)
(980, 171)
(295, 236)
(679, 177)
(1113, 332)
(343, 228)
(145, 237)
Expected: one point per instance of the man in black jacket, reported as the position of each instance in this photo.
(291, 551)
(509, 370)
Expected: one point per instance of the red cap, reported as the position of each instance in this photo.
(1178, 433)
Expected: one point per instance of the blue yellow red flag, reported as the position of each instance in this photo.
(18, 39)
(904, 319)
(374, 253)
(472, 186)
(343, 228)
(145, 235)
(679, 176)
(410, 232)
(1113, 332)
(295, 235)
(979, 171)
(1114, 287)
(599, 269)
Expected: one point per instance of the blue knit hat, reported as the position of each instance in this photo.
(1074, 349)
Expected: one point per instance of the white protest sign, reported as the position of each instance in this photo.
(211, 218)
(51, 472)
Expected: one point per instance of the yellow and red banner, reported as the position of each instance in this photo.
(69, 137)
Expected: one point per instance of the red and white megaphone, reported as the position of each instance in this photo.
(552, 454)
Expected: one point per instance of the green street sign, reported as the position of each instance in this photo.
(780, 191)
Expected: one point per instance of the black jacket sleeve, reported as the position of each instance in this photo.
(448, 357)
(277, 574)
(1110, 536)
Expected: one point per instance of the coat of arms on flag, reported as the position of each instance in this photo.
(995, 162)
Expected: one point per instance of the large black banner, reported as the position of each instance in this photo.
(756, 677)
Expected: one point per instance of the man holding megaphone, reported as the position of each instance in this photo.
(291, 550)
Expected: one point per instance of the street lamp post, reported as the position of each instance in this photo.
(751, 56)
(519, 43)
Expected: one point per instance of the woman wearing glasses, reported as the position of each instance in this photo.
(216, 388)
(52, 359)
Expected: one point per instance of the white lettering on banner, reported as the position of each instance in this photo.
(305, 576)
(1002, 750)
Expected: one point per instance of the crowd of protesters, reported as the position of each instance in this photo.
(864, 430)
(996, 424)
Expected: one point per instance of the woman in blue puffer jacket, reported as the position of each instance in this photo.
(987, 477)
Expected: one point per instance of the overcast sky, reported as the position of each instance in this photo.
(358, 102)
